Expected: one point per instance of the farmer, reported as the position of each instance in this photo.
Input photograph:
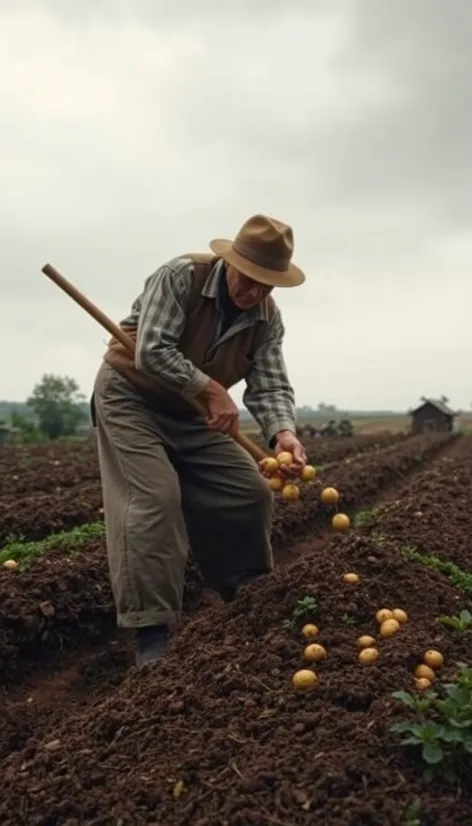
(171, 478)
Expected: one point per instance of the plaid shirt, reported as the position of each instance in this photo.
(160, 314)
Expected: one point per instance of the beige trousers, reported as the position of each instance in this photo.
(168, 485)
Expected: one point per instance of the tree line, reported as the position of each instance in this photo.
(57, 407)
(54, 410)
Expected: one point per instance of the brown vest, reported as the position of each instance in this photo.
(228, 364)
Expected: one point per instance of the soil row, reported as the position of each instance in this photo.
(64, 597)
(38, 472)
(216, 734)
(433, 513)
(34, 517)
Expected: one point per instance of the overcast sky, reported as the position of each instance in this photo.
(135, 130)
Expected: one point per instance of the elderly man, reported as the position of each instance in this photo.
(173, 479)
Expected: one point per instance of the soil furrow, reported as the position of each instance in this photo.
(74, 680)
(216, 736)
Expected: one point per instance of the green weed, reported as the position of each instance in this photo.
(461, 623)
(461, 579)
(26, 552)
(442, 734)
(379, 538)
(366, 516)
(305, 608)
(413, 813)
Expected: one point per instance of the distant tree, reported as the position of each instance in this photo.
(24, 430)
(57, 401)
(327, 409)
(305, 412)
(345, 428)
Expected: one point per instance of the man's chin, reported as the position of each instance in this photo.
(244, 305)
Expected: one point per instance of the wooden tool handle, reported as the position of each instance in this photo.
(115, 330)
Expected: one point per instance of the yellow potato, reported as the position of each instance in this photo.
(389, 628)
(422, 684)
(315, 653)
(308, 473)
(425, 671)
(340, 522)
(400, 615)
(269, 465)
(309, 631)
(275, 483)
(285, 458)
(434, 659)
(329, 496)
(304, 680)
(351, 578)
(368, 656)
(366, 641)
(383, 615)
(291, 492)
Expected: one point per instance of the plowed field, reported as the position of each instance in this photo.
(217, 735)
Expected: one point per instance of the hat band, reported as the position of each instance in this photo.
(256, 257)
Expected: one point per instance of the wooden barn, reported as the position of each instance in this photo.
(432, 415)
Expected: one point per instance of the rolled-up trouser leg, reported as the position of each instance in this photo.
(147, 540)
(228, 509)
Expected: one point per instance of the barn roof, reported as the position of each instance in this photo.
(439, 404)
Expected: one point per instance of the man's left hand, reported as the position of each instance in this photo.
(286, 440)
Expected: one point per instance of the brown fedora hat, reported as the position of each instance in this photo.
(263, 251)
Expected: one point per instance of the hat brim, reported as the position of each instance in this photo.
(292, 277)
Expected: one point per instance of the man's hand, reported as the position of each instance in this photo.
(287, 441)
(223, 414)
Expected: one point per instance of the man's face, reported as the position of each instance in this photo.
(243, 291)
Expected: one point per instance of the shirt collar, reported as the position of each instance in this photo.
(211, 290)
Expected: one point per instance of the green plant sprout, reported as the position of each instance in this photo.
(413, 813)
(305, 608)
(461, 623)
(443, 734)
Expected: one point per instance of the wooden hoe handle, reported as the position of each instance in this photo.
(115, 330)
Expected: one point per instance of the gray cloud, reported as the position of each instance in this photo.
(159, 13)
(133, 131)
(398, 116)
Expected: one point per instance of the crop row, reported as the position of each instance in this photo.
(218, 734)
(433, 514)
(61, 590)
(43, 469)
(357, 480)
(40, 514)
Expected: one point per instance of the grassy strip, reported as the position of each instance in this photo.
(26, 552)
(461, 579)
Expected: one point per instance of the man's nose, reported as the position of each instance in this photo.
(256, 291)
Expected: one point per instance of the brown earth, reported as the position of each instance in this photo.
(433, 513)
(64, 598)
(221, 717)
(46, 489)
(216, 736)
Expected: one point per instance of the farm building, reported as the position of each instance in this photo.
(432, 415)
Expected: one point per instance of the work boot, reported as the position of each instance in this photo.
(151, 644)
(228, 592)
